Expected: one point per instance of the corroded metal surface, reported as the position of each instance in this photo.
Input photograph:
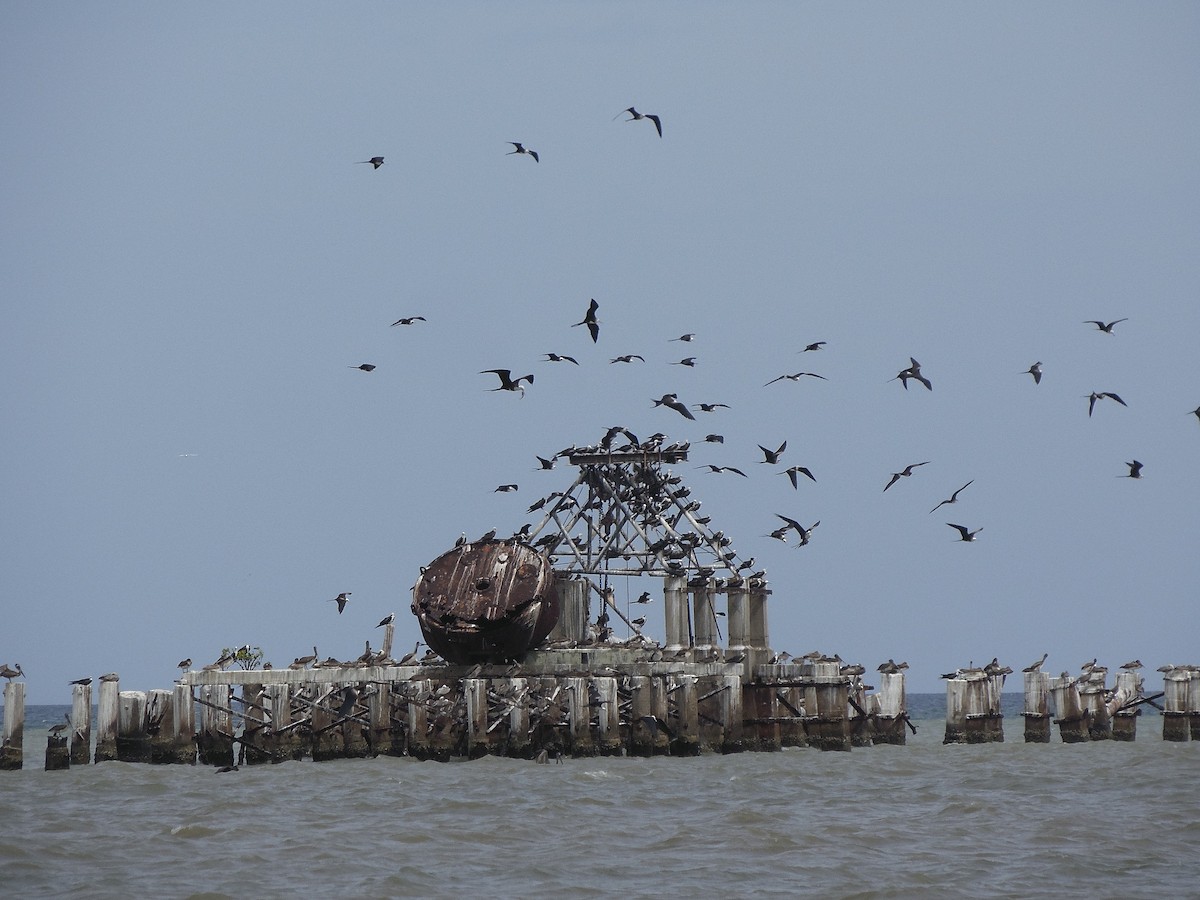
(489, 601)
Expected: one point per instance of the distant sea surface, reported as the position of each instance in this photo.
(1101, 819)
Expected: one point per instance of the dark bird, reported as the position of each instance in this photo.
(686, 338)
(408, 320)
(815, 345)
(672, 402)
(504, 488)
(555, 357)
(953, 497)
(791, 472)
(1036, 371)
(184, 664)
(376, 161)
(908, 470)
(913, 371)
(507, 382)
(1135, 469)
(689, 361)
(543, 463)
(386, 620)
(1036, 666)
(714, 438)
(1106, 327)
(224, 769)
(521, 149)
(709, 407)
(638, 622)
(627, 358)
(1099, 395)
(772, 456)
(804, 533)
(796, 377)
(590, 321)
(966, 535)
(1195, 412)
(340, 600)
(83, 681)
(366, 367)
(719, 469)
(644, 598)
(635, 115)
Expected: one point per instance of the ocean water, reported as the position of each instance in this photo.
(1101, 819)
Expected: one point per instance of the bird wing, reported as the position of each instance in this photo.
(895, 478)
(657, 122)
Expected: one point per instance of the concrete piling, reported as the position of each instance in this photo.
(108, 714)
(1036, 710)
(81, 724)
(12, 739)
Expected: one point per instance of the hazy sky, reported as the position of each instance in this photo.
(192, 263)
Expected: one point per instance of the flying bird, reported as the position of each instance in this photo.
(772, 456)
(686, 338)
(709, 407)
(590, 320)
(1036, 371)
(1135, 469)
(718, 469)
(791, 471)
(408, 320)
(689, 361)
(521, 149)
(908, 470)
(341, 600)
(365, 367)
(714, 438)
(953, 497)
(815, 345)
(796, 377)
(543, 463)
(635, 115)
(627, 358)
(1099, 395)
(555, 357)
(966, 535)
(644, 598)
(507, 382)
(913, 371)
(376, 161)
(505, 488)
(672, 401)
(805, 533)
(1106, 327)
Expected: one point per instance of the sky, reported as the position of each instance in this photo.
(193, 262)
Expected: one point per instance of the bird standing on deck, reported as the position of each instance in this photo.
(521, 149)
(635, 116)
(341, 600)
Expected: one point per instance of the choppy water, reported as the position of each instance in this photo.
(1101, 820)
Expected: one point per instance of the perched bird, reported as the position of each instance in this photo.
(1135, 469)
(1036, 666)
(635, 115)
(521, 149)
(1099, 395)
(184, 664)
(83, 681)
(709, 407)
(1132, 666)
(1107, 328)
(408, 320)
(908, 470)
(686, 338)
(815, 345)
(386, 620)
(638, 622)
(627, 358)
(590, 321)
(1036, 371)
(108, 677)
(555, 357)
(376, 161)
(772, 456)
(796, 377)
(56, 730)
(953, 497)
(341, 600)
(671, 401)
(966, 535)
(689, 361)
(792, 471)
(10, 674)
(505, 488)
(366, 367)
(507, 382)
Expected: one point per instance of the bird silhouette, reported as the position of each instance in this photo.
(953, 497)
(341, 600)
(543, 463)
(796, 377)
(908, 470)
(505, 488)
(966, 535)
(791, 472)
(627, 358)
(719, 469)
(772, 456)
(913, 371)
(386, 620)
(714, 438)
(689, 361)
(672, 402)
(1106, 327)
(1100, 395)
(1036, 371)
(1195, 412)
(521, 149)
(507, 382)
(184, 664)
(815, 345)
(686, 338)
(635, 116)
(86, 681)
(644, 598)
(376, 161)
(408, 320)
(555, 357)
(365, 367)
(590, 320)
(1036, 666)
(1135, 469)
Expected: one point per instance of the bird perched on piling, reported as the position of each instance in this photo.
(1132, 666)
(10, 674)
(184, 664)
(521, 149)
(83, 681)
(375, 161)
(56, 730)
(341, 600)
(1036, 666)
(386, 620)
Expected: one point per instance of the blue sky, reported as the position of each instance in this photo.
(192, 262)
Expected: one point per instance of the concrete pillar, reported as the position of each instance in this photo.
(1175, 705)
(731, 715)
(737, 598)
(475, 690)
(216, 726)
(1069, 710)
(573, 611)
(12, 741)
(107, 714)
(609, 730)
(675, 608)
(704, 615)
(758, 637)
(641, 734)
(892, 713)
(133, 743)
(1037, 707)
(81, 724)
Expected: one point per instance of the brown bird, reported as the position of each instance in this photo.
(521, 149)
(376, 161)
(953, 497)
(966, 535)
(593, 325)
(1099, 395)
(908, 470)
(1107, 328)
(1036, 666)
(507, 382)
(635, 116)
(184, 664)
(10, 674)
(341, 600)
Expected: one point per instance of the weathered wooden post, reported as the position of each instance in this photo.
(518, 719)
(1037, 707)
(579, 712)
(133, 743)
(58, 753)
(1194, 702)
(1175, 714)
(418, 719)
(279, 738)
(573, 612)
(1123, 706)
(687, 730)
(732, 717)
(215, 740)
(184, 713)
(608, 737)
(993, 721)
(891, 716)
(956, 711)
(675, 610)
(826, 701)
(1091, 696)
(160, 725)
(860, 714)
(12, 743)
(641, 734)
(1071, 715)
(737, 598)
(107, 716)
(255, 726)
(791, 703)
(389, 632)
(708, 710)
(475, 691)
(326, 743)
(356, 742)
(759, 697)
(660, 707)
(81, 724)
(379, 708)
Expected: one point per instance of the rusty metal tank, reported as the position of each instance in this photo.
(488, 601)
